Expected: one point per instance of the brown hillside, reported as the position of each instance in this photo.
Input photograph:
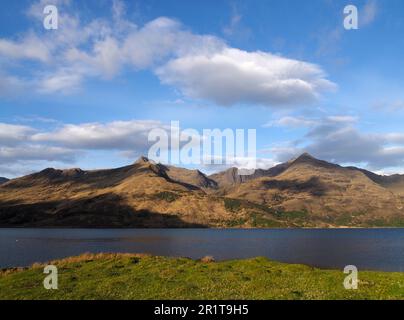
(302, 192)
(324, 190)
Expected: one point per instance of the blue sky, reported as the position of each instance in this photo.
(86, 95)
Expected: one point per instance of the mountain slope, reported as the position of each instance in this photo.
(323, 191)
(144, 194)
(303, 192)
(395, 182)
(230, 177)
(3, 180)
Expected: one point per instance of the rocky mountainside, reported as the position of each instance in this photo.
(303, 192)
(394, 182)
(325, 192)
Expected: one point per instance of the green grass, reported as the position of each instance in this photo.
(232, 205)
(397, 222)
(263, 216)
(113, 276)
(261, 221)
(167, 196)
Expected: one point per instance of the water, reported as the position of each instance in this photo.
(368, 249)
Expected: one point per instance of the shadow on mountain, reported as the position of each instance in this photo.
(313, 186)
(104, 211)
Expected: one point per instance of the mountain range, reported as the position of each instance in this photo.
(303, 192)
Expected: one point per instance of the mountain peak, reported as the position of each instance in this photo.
(142, 160)
(304, 156)
(308, 159)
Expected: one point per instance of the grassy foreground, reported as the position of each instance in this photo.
(128, 276)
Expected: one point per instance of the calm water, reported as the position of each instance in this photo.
(372, 249)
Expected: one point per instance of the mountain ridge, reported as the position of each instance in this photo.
(302, 192)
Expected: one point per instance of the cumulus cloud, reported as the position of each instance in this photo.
(116, 135)
(36, 152)
(11, 134)
(19, 154)
(201, 66)
(233, 76)
(24, 147)
(336, 139)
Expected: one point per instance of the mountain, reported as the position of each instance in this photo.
(3, 180)
(144, 194)
(324, 192)
(303, 192)
(394, 182)
(231, 177)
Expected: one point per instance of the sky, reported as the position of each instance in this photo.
(88, 93)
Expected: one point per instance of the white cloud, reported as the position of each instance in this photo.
(336, 139)
(12, 134)
(30, 47)
(36, 8)
(116, 135)
(250, 163)
(303, 122)
(63, 81)
(342, 119)
(233, 76)
(17, 147)
(202, 66)
(395, 137)
(25, 148)
(238, 162)
(162, 39)
(291, 122)
(35, 152)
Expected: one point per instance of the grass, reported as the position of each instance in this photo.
(261, 221)
(128, 276)
(263, 216)
(232, 205)
(167, 196)
(397, 222)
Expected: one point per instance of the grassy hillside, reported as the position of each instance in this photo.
(128, 276)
